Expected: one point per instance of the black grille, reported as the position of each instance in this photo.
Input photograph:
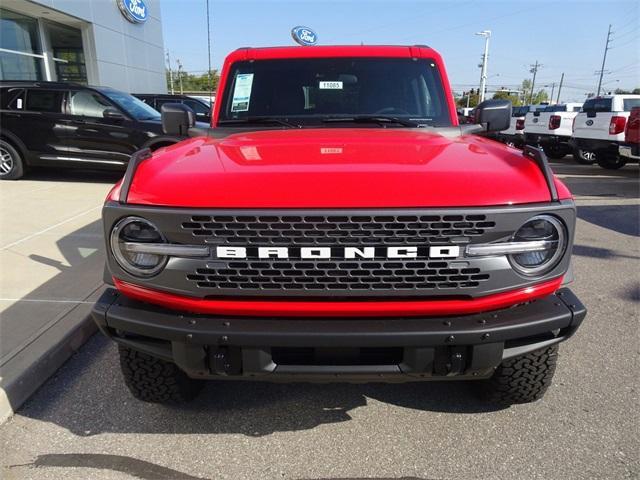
(382, 275)
(353, 230)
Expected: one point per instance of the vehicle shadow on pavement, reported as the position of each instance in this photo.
(594, 181)
(619, 218)
(73, 175)
(88, 397)
(133, 467)
(118, 463)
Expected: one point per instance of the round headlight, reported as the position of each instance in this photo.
(136, 230)
(540, 228)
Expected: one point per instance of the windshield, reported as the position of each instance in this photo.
(132, 105)
(309, 91)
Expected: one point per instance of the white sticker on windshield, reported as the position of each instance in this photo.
(242, 92)
(331, 85)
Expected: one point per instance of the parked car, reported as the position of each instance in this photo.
(551, 128)
(336, 223)
(72, 125)
(630, 149)
(514, 135)
(600, 128)
(201, 108)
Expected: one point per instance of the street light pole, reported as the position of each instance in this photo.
(485, 59)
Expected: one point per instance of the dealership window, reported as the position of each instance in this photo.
(21, 56)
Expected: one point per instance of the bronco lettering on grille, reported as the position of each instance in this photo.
(310, 253)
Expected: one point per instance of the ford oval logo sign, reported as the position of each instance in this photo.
(133, 10)
(304, 36)
(589, 122)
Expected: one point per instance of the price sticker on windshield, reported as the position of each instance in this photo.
(330, 85)
(242, 92)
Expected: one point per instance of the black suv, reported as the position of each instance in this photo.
(70, 125)
(201, 108)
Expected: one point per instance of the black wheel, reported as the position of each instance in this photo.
(153, 380)
(584, 157)
(522, 379)
(611, 161)
(11, 164)
(555, 152)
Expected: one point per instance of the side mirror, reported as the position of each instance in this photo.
(177, 119)
(494, 115)
(112, 113)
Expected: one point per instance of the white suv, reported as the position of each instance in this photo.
(599, 128)
(551, 128)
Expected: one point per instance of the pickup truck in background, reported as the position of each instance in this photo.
(551, 128)
(600, 128)
(630, 149)
(514, 135)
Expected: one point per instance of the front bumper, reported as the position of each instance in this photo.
(334, 349)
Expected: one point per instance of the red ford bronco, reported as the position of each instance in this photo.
(336, 223)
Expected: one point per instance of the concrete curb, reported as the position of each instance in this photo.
(24, 373)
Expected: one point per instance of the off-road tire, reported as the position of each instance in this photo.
(578, 156)
(522, 379)
(156, 381)
(555, 152)
(610, 161)
(11, 158)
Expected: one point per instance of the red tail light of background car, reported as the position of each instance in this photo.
(554, 122)
(520, 124)
(617, 125)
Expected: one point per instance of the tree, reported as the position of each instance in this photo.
(513, 97)
(473, 96)
(622, 91)
(540, 96)
(194, 83)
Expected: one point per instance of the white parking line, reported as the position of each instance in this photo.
(29, 237)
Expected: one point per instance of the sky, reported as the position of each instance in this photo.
(564, 36)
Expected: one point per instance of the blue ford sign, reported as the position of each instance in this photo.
(304, 36)
(133, 10)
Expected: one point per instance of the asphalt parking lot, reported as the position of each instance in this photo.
(83, 424)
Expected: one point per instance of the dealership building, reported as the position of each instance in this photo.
(115, 43)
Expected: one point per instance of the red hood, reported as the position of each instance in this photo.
(338, 168)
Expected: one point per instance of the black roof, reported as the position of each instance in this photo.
(54, 85)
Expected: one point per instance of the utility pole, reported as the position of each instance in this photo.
(534, 70)
(553, 87)
(468, 98)
(485, 60)
(170, 73)
(180, 75)
(560, 87)
(604, 59)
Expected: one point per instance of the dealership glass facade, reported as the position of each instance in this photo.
(83, 41)
(23, 55)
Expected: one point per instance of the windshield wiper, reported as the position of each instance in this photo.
(247, 120)
(379, 119)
